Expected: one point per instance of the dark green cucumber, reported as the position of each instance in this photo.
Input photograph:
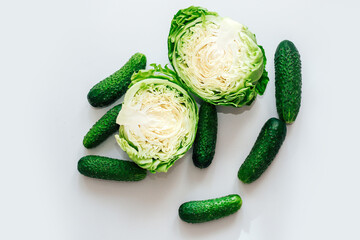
(103, 128)
(205, 141)
(267, 145)
(113, 87)
(110, 169)
(287, 81)
(207, 210)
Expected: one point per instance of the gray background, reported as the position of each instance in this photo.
(53, 52)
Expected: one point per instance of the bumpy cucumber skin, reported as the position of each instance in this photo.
(110, 169)
(267, 145)
(205, 140)
(113, 87)
(103, 128)
(287, 81)
(207, 210)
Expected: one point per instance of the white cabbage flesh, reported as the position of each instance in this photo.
(158, 122)
(216, 56)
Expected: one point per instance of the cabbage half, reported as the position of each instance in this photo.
(158, 119)
(217, 58)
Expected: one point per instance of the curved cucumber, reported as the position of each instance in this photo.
(110, 169)
(103, 128)
(287, 81)
(207, 210)
(267, 145)
(205, 140)
(113, 87)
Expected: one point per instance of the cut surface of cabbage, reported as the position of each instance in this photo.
(217, 58)
(158, 123)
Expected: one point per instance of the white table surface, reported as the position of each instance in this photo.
(53, 52)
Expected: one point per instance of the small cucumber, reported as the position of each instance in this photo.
(207, 210)
(267, 145)
(110, 169)
(287, 81)
(103, 128)
(113, 87)
(205, 140)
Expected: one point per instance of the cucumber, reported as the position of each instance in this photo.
(287, 81)
(110, 169)
(103, 128)
(207, 210)
(113, 87)
(205, 140)
(267, 145)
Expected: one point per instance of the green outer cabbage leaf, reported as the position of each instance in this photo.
(166, 80)
(245, 90)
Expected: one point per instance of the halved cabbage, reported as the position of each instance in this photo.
(217, 58)
(158, 119)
